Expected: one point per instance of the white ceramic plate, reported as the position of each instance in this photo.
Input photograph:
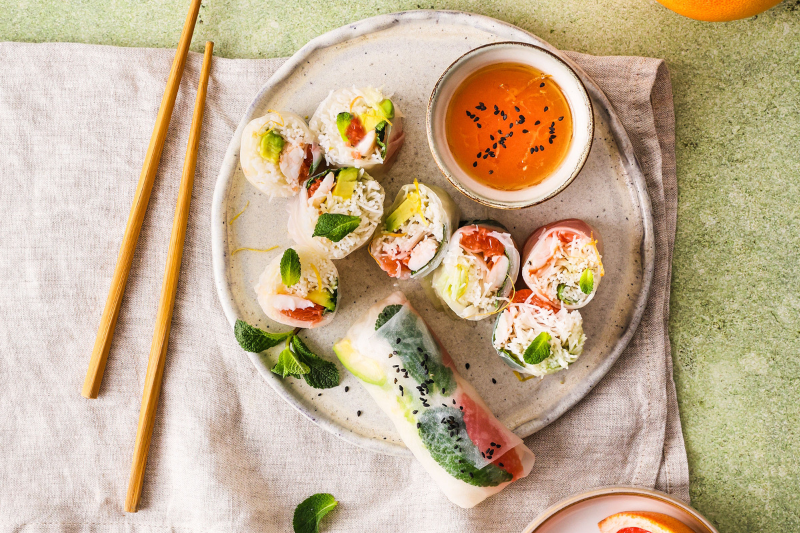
(406, 53)
(582, 512)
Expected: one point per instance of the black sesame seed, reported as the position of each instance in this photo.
(560, 118)
(491, 172)
(510, 134)
(479, 154)
(444, 405)
(541, 148)
(395, 380)
(537, 122)
(469, 114)
(541, 84)
(414, 412)
(358, 413)
(546, 108)
(461, 407)
(485, 156)
(484, 455)
(550, 140)
(346, 389)
(491, 137)
(467, 366)
(510, 124)
(498, 446)
(535, 148)
(442, 390)
(524, 131)
(320, 394)
(454, 402)
(494, 380)
(501, 465)
(398, 340)
(475, 164)
(531, 150)
(492, 444)
(419, 425)
(478, 125)
(500, 132)
(494, 145)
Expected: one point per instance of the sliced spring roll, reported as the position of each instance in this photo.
(359, 127)
(299, 288)
(438, 414)
(535, 338)
(278, 153)
(413, 236)
(479, 269)
(562, 263)
(336, 211)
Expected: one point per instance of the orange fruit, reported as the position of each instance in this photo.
(719, 10)
(642, 521)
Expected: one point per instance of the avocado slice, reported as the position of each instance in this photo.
(343, 121)
(346, 183)
(404, 211)
(323, 298)
(387, 107)
(271, 146)
(362, 367)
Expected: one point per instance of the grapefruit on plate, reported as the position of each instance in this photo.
(719, 10)
(642, 522)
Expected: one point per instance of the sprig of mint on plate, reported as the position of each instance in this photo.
(311, 511)
(295, 360)
(335, 226)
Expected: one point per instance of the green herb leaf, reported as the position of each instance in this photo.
(560, 294)
(511, 356)
(450, 446)
(388, 312)
(253, 339)
(308, 514)
(335, 226)
(322, 374)
(539, 349)
(586, 282)
(290, 267)
(289, 365)
(382, 137)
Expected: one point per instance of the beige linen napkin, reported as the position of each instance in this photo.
(227, 453)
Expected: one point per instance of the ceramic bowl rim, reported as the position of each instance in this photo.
(455, 182)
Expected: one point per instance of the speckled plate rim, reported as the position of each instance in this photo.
(230, 161)
(621, 490)
(454, 181)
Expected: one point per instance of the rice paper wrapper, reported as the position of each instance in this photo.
(270, 286)
(303, 218)
(443, 273)
(450, 216)
(438, 414)
(537, 250)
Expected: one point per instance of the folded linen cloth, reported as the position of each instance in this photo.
(227, 453)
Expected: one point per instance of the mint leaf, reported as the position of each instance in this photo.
(511, 356)
(382, 137)
(289, 365)
(253, 339)
(444, 434)
(290, 267)
(586, 282)
(335, 226)
(308, 514)
(388, 312)
(322, 374)
(539, 349)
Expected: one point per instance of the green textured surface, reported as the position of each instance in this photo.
(735, 322)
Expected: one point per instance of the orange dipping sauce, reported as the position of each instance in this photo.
(509, 126)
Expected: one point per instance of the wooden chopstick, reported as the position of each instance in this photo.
(102, 344)
(158, 350)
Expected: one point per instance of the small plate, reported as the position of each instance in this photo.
(582, 512)
(543, 60)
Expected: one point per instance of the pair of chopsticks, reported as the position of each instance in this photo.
(158, 349)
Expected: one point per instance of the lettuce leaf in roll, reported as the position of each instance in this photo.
(438, 414)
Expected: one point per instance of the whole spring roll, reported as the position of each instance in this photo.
(535, 338)
(336, 211)
(562, 263)
(359, 127)
(299, 288)
(278, 153)
(478, 271)
(438, 414)
(413, 236)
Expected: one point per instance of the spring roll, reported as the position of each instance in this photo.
(534, 337)
(413, 236)
(299, 288)
(563, 263)
(278, 153)
(479, 269)
(438, 414)
(359, 127)
(336, 211)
